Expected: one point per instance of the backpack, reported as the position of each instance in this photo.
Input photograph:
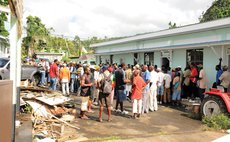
(106, 84)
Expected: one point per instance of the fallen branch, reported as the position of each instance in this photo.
(64, 122)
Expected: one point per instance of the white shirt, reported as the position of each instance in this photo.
(153, 77)
(160, 78)
(167, 79)
(96, 75)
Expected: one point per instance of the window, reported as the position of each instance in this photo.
(100, 60)
(149, 58)
(136, 58)
(111, 59)
(195, 56)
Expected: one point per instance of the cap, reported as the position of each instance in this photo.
(159, 69)
(104, 68)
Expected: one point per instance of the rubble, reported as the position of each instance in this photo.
(51, 112)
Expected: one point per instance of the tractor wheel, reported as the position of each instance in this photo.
(213, 105)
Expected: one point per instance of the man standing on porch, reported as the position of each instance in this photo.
(146, 91)
(153, 89)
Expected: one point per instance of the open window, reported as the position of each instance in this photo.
(194, 56)
(149, 58)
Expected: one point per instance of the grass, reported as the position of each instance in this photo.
(110, 138)
(217, 122)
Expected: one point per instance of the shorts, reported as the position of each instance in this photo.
(104, 99)
(128, 87)
(160, 90)
(121, 96)
(84, 103)
(176, 95)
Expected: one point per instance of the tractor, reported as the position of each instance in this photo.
(215, 102)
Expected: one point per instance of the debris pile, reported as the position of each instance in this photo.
(51, 112)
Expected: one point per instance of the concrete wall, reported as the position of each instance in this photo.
(179, 58)
(157, 58)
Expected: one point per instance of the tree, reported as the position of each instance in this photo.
(218, 9)
(3, 19)
(36, 35)
(172, 25)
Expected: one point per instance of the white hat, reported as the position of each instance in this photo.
(159, 69)
(92, 67)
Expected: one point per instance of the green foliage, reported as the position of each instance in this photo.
(39, 39)
(217, 122)
(3, 30)
(4, 2)
(65, 58)
(27, 109)
(218, 9)
(172, 25)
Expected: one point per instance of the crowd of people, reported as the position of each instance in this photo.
(144, 86)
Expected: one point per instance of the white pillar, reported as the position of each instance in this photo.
(13, 56)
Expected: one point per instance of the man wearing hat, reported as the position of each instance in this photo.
(225, 78)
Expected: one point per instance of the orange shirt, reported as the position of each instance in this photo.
(65, 73)
(138, 86)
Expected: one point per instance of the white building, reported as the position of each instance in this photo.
(4, 47)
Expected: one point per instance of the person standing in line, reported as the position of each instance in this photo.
(186, 82)
(96, 77)
(120, 82)
(146, 91)
(202, 82)
(65, 78)
(193, 80)
(176, 89)
(111, 70)
(160, 85)
(167, 91)
(225, 78)
(138, 85)
(153, 89)
(53, 75)
(219, 72)
(42, 72)
(85, 92)
(128, 87)
(72, 76)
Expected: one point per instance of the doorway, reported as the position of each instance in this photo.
(135, 59)
(165, 62)
(111, 59)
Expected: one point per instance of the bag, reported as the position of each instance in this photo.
(106, 84)
(176, 85)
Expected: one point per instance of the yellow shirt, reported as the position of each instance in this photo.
(64, 73)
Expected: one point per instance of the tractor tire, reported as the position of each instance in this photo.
(213, 105)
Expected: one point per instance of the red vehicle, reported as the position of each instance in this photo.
(215, 102)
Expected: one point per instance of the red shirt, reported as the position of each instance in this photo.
(194, 74)
(138, 86)
(54, 71)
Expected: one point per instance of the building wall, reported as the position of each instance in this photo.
(157, 58)
(179, 58)
(4, 50)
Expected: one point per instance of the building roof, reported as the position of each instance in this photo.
(198, 27)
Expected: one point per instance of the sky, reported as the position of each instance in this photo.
(113, 18)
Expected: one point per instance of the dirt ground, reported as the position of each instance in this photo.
(166, 125)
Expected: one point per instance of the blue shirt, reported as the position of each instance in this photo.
(146, 76)
(218, 74)
(73, 72)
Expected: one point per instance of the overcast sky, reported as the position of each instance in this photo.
(113, 18)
